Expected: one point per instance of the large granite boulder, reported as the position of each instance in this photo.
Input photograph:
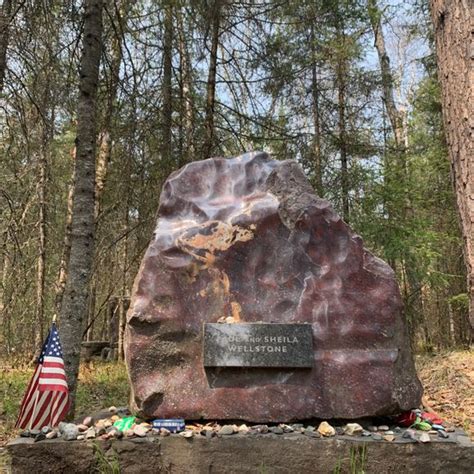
(247, 238)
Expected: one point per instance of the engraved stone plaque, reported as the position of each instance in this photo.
(258, 345)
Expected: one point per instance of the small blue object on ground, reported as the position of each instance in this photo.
(171, 424)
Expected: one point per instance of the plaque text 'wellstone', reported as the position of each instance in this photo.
(258, 345)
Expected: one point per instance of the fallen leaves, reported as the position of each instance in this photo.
(448, 380)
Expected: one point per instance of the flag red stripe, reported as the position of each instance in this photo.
(48, 410)
(50, 387)
(52, 376)
(55, 365)
(66, 407)
(43, 405)
(61, 408)
(33, 380)
(45, 411)
(32, 385)
(27, 403)
(30, 411)
(54, 409)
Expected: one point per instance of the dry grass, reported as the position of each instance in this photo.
(448, 380)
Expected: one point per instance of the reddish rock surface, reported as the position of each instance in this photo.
(247, 237)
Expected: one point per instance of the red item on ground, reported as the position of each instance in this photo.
(406, 419)
(433, 418)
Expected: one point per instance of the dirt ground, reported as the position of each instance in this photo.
(448, 380)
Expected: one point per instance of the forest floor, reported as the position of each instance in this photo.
(448, 380)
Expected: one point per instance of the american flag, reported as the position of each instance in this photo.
(46, 400)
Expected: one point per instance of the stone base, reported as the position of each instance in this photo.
(241, 454)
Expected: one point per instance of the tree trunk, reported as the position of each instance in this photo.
(397, 117)
(343, 150)
(106, 137)
(41, 262)
(394, 115)
(75, 303)
(208, 148)
(166, 119)
(5, 302)
(318, 170)
(398, 122)
(66, 250)
(341, 76)
(47, 132)
(454, 35)
(187, 107)
(5, 19)
(124, 257)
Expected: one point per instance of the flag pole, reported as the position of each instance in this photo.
(54, 318)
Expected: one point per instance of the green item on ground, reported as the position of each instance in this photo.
(125, 424)
(421, 425)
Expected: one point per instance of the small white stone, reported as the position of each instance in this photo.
(424, 438)
(325, 429)
(140, 431)
(352, 429)
(90, 433)
(226, 430)
(68, 431)
(88, 421)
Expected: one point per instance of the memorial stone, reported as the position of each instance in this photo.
(256, 301)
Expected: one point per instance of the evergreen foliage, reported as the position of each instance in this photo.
(298, 79)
